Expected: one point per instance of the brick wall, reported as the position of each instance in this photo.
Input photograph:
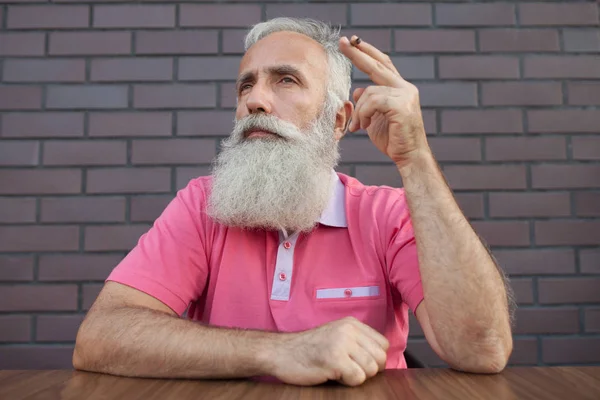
(109, 107)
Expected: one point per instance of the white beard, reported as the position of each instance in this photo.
(273, 182)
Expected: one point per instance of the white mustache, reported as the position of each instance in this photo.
(265, 122)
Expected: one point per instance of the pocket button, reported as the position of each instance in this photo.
(348, 292)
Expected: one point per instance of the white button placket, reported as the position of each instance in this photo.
(282, 280)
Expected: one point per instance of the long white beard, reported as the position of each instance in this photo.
(275, 182)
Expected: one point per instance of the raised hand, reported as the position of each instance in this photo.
(390, 110)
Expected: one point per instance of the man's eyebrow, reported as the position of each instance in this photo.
(284, 69)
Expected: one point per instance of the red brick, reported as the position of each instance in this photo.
(228, 95)
(581, 40)
(96, 152)
(562, 67)
(38, 298)
(17, 209)
(58, 328)
(430, 121)
(570, 121)
(569, 350)
(520, 94)
(471, 204)
(387, 175)
(567, 232)
(518, 40)
(134, 16)
(592, 320)
(482, 121)
(173, 151)
(219, 15)
(334, 13)
(523, 288)
(481, 177)
(83, 209)
(589, 260)
(587, 204)
(176, 42)
(39, 238)
(537, 261)
(130, 124)
(586, 148)
(411, 67)
(380, 38)
(233, 41)
(50, 70)
(478, 67)
(89, 43)
(525, 352)
(16, 152)
(475, 14)
(558, 14)
(185, 174)
(438, 40)
(37, 181)
(20, 97)
(132, 69)
(129, 180)
(86, 96)
(447, 94)
(527, 204)
(113, 237)
(456, 149)
(565, 176)
(148, 208)
(174, 96)
(391, 14)
(50, 124)
(547, 320)
(204, 123)
(48, 17)
(208, 68)
(525, 148)
(90, 293)
(361, 150)
(503, 233)
(21, 44)
(36, 357)
(77, 267)
(16, 268)
(584, 93)
(15, 328)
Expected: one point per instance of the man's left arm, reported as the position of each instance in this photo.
(465, 312)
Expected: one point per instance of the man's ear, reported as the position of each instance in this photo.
(342, 119)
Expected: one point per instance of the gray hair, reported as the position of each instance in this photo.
(340, 67)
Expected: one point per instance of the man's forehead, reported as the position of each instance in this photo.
(284, 48)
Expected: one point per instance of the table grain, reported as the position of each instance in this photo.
(548, 383)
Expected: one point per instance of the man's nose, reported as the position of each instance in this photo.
(259, 99)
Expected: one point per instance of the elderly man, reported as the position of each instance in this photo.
(289, 270)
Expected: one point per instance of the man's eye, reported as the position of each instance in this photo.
(245, 86)
(287, 79)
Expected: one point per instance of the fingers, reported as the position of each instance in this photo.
(352, 374)
(374, 52)
(375, 350)
(377, 71)
(365, 361)
(373, 334)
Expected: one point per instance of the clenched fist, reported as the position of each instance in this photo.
(345, 350)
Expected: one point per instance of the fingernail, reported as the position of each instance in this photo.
(357, 41)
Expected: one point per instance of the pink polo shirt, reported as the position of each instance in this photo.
(360, 260)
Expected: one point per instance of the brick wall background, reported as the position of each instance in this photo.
(108, 107)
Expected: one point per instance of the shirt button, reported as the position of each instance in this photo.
(348, 292)
(282, 276)
(287, 245)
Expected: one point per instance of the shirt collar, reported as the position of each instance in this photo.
(335, 213)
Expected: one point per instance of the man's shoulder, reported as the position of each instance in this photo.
(358, 191)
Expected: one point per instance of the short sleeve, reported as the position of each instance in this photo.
(169, 262)
(401, 255)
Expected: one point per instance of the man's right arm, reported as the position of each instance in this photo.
(130, 333)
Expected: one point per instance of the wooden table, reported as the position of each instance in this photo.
(571, 383)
